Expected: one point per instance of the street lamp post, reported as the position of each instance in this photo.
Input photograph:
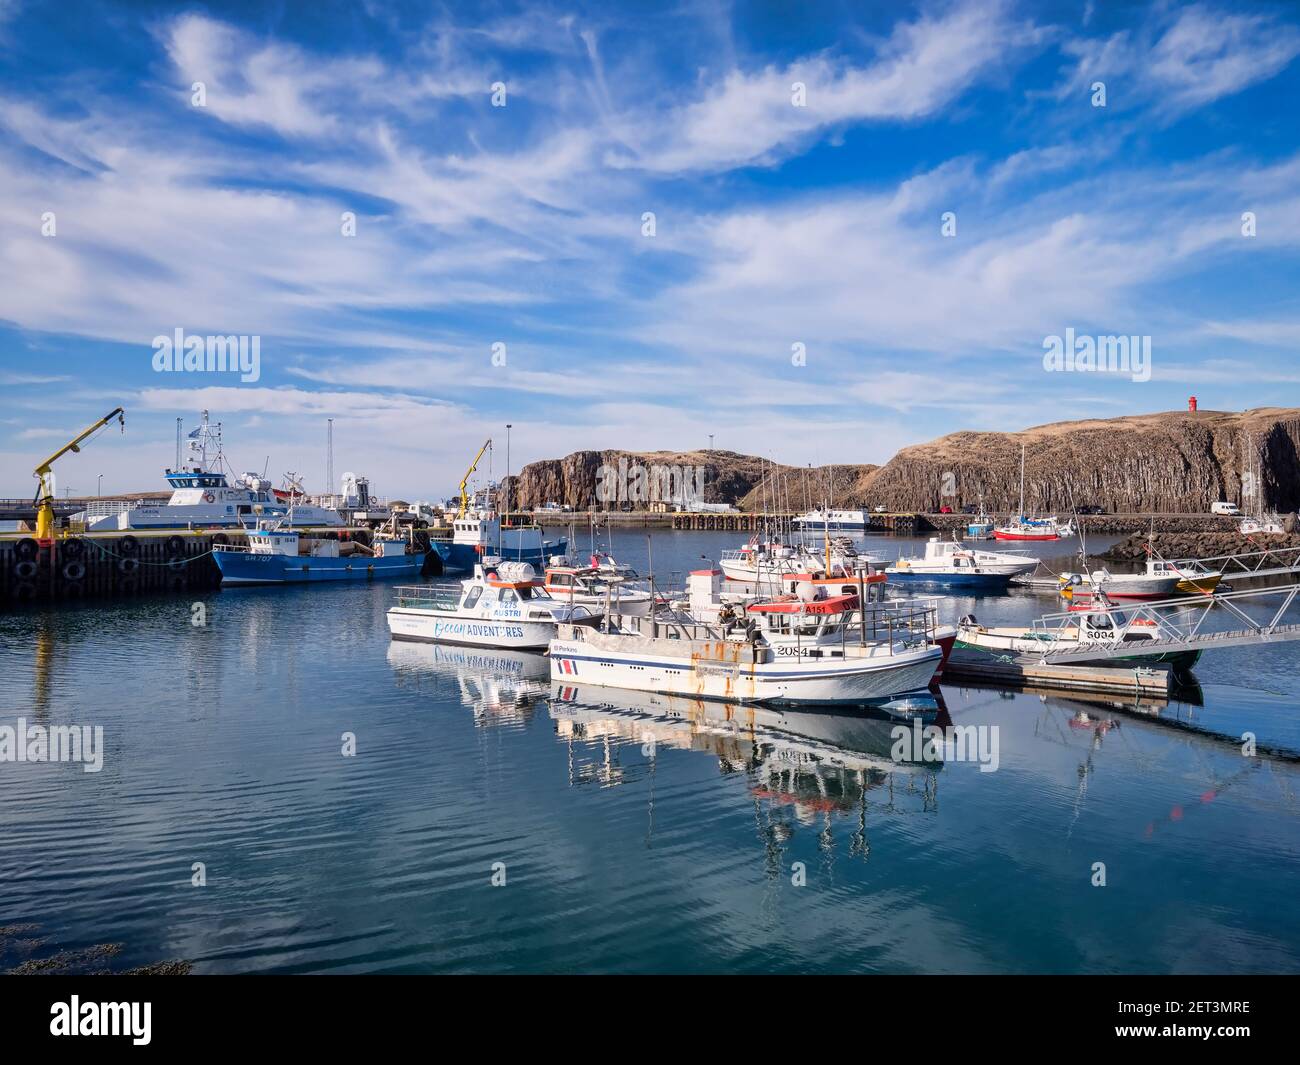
(99, 489)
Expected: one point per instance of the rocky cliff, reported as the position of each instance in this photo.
(1170, 462)
(1175, 462)
(625, 479)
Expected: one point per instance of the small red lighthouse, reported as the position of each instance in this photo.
(1191, 404)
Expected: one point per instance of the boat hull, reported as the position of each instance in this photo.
(246, 567)
(463, 557)
(1006, 534)
(724, 674)
(950, 580)
(1001, 645)
(434, 626)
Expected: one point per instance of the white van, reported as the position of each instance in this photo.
(1231, 509)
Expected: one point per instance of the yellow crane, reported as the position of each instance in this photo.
(44, 474)
(464, 496)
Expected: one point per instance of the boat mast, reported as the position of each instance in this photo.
(1022, 482)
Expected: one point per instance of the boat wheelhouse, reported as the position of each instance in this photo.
(481, 534)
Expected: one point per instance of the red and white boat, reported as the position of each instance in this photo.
(1034, 529)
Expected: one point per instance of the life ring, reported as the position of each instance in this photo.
(208, 497)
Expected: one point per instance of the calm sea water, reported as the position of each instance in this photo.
(223, 746)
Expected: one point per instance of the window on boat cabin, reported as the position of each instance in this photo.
(473, 597)
(562, 580)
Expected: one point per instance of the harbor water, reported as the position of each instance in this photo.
(283, 789)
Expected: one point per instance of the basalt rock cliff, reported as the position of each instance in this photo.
(609, 480)
(1175, 462)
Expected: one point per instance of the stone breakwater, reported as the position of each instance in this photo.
(1197, 545)
(1110, 524)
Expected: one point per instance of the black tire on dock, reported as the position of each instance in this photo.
(128, 545)
(24, 592)
(25, 570)
(26, 548)
(74, 548)
(175, 545)
(127, 565)
(177, 565)
(73, 570)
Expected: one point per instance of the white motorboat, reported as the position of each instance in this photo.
(823, 518)
(1094, 626)
(1162, 579)
(788, 650)
(953, 564)
(502, 605)
(601, 585)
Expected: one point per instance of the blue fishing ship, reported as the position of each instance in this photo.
(281, 556)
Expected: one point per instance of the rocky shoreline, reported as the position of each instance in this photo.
(1197, 545)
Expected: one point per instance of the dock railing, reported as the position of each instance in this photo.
(1179, 624)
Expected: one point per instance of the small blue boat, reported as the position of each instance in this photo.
(278, 556)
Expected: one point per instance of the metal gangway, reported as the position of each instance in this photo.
(1249, 563)
(1177, 624)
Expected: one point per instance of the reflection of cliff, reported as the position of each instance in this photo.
(501, 687)
(813, 763)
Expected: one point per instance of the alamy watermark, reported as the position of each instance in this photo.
(956, 743)
(180, 353)
(638, 483)
(56, 743)
(1098, 354)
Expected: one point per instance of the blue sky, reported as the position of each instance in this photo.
(775, 224)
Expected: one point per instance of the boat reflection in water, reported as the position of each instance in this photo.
(500, 686)
(815, 763)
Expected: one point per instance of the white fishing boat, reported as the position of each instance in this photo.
(823, 518)
(760, 565)
(951, 563)
(711, 601)
(786, 650)
(502, 605)
(203, 496)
